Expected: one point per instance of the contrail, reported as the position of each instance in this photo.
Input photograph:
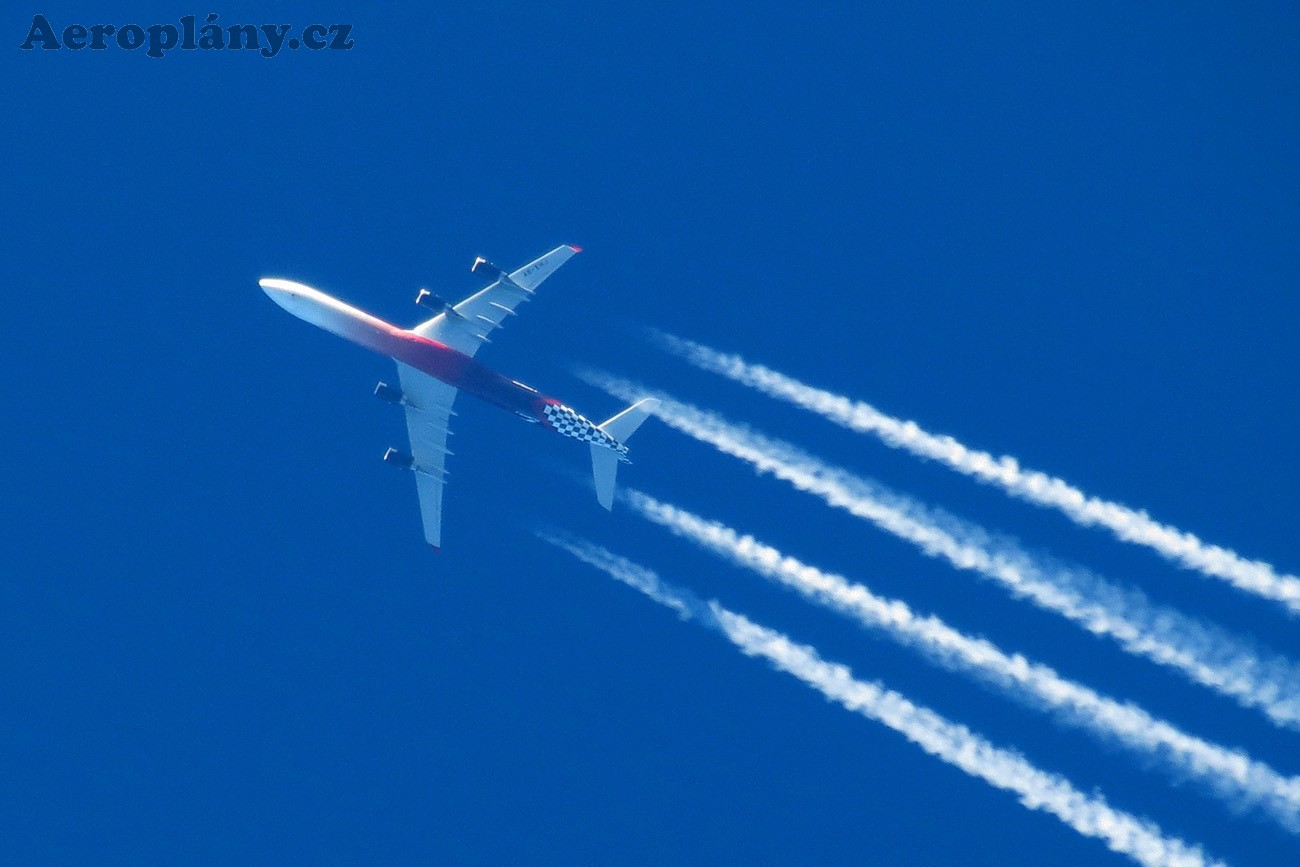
(1204, 653)
(955, 744)
(1231, 774)
(1129, 525)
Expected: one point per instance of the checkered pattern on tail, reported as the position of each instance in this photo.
(564, 420)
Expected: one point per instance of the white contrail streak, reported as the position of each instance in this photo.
(1231, 774)
(1204, 653)
(1089, 815)
(1129, 525)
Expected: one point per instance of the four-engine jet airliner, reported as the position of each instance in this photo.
(435, 361)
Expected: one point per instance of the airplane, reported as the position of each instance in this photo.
(435, 362)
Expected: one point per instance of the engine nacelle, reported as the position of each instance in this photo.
(399, 459)
(483, 268)
(388, 394)
(437, 303)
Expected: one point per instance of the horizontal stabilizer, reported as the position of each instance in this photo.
(623, 425)
(604, 467)
(604, 460)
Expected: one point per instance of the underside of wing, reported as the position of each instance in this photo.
(428, 413)
(468, 325)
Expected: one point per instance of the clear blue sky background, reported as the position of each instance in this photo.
(1070, 236)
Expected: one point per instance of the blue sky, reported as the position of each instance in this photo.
(1069, 236)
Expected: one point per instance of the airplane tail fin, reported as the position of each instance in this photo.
(604, 461)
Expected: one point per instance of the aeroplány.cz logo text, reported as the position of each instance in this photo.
(187, 35)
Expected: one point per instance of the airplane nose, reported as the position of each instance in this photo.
(272, 285)
(282, 292)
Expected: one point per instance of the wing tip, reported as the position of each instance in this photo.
(575, 248)
(437, 549)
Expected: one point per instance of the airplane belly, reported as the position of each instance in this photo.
(470, 376)
(422, 353)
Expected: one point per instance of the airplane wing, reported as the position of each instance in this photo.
(468, 325)
(428, 412)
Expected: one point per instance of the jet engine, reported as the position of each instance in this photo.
(483, 268)
(436, 303)
(399, 459)
(388, 394)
